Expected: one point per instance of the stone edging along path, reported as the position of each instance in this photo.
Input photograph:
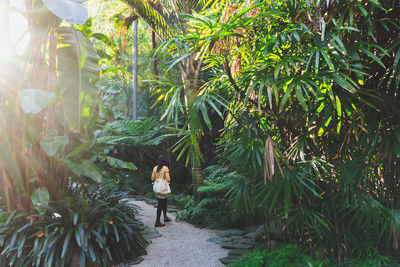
(182, 244)
(178, 244)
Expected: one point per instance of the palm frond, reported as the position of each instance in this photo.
(151, 16)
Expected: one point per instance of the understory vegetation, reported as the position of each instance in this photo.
(290, 255)
(268, 111)
(219, 206)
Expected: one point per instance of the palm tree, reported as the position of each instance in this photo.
(156, 14)
(135, 69)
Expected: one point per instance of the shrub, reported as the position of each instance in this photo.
(290, 255)
(226, 203)
(86, 229)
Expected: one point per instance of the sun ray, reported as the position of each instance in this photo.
(13, 29)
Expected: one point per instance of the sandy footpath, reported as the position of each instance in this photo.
(180, 245)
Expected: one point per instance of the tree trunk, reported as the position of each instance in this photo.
(155, 61)
(198, 179)
(135, 69)
(190, 70)
(52, 76)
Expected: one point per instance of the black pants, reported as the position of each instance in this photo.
(162, 206)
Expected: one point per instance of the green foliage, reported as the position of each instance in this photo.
(93, 228)
(149, 14)
(71, 11)
(40, 199)
(137, 183)
(52, 144)
(313, 107)
(290, 255)
(242, 142)
(293, 255)
(79, 72)
(40, 122)
(225, 202)
(180, 200)
(33, 101)
(105, 155)
(134, 141)
(132, 133)
(120, 164)
(115, 48)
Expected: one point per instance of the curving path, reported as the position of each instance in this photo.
(180, 245)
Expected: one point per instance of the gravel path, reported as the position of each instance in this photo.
(180, 245)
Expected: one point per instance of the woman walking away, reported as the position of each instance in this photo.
(161, 171)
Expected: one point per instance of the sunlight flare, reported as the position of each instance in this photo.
(13, 30)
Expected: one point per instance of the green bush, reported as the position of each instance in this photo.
(89, 229)
(126, 181)
(224, 205)
(290, 255)
(180, 200)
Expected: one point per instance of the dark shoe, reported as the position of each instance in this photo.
(166, 219)
(159, 224)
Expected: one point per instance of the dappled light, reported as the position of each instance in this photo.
(207, 133)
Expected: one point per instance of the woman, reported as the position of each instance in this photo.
(161, 171)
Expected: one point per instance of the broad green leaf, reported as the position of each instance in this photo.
(177, 60)
(289, 88)
(79, 71)
(212, 104)
(73, 11)
(51, 144)
(117, 163)
(40, 197)
(75, 219)
(300, 97)
(101, 37)
(339, 80)
(369, 53)
(78, 238)
(328, 60)
(277, 69)
(362, 9)
(204, 112)
(339, 42)
(339, 114)
(91, 170)
(310, 59)
(86, 168)
(323, 31)
(317, 61)
(33, 100)
(152, 17)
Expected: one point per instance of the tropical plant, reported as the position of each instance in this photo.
(227, 196)
(112, 26)
(312, 92)
(289, 255)
(94, 229)
(185, 97)
(42, 129)
(34, 129)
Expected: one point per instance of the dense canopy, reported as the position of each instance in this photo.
(284, 114)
